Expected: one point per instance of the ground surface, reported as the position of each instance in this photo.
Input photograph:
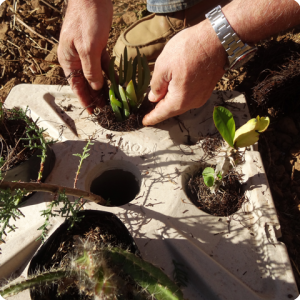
(270, 83)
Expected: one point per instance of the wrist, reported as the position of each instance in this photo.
(211, 47)
(256, 20)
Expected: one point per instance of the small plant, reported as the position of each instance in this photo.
(34, 135)
(82, 156)
(12, 193)
(246, 135)
(101, 273)
(134, 78)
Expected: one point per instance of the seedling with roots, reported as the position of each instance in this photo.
(134, 78)
(102, 273)
(245, 136)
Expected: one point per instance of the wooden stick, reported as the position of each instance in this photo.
(33, 31)
(50, 5)
(51, 188)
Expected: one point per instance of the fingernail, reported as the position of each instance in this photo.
(96, 86)
(151, 97)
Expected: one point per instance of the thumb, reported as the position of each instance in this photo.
(159, 85)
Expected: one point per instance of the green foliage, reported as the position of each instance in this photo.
(82, 156)
(34, 136)
(126, 97)
(208, 176)
(68, 210)
(225, 124)
(9, 210)
(10, 202)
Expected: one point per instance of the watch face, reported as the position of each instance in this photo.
(244, 58)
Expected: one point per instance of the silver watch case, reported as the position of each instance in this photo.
(238, 52)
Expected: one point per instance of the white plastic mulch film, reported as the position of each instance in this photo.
(235, 257)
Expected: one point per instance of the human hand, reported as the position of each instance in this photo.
(186, 72)
(82, 44)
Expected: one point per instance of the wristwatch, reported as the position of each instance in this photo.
(238, 52)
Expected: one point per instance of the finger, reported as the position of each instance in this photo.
(91, 67)
(159, 83)
(162, 111)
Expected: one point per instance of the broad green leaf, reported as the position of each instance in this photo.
(225, 124)
(124, 101)
(248, 134)
(208, 176)
(262, 123)
(131, 96)
(246, 139)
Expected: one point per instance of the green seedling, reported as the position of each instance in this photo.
(134, 78)
(245, 136)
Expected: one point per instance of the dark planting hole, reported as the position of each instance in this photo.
(117, 186)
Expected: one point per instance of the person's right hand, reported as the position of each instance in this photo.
(82, 44)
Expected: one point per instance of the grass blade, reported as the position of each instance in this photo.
(124, 101)
(112, 78)
(125, 64)
(129, 71)
(114, 105)
(131, 96)
(121, 77)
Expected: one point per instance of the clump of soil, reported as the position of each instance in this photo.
(13, 148)
(225, 202)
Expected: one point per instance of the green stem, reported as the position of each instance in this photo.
(16, 288)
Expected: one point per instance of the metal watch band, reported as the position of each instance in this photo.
(229, 39)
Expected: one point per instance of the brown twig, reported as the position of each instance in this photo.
(50, 6)
(51, 188)
(33, 31)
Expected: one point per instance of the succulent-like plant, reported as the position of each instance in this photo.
(101, 273)
(134, 78)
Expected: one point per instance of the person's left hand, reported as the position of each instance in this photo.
(186, 72)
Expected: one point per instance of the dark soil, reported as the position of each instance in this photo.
(106, 118)
(101, 229)
(225, 202)
(270, 83)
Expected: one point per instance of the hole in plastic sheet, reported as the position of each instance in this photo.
(117, 186)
